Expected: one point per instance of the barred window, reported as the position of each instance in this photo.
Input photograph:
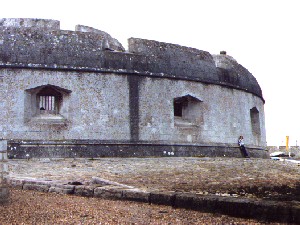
(47, 103)
(49, 100)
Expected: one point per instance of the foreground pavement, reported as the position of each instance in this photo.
(256, 188)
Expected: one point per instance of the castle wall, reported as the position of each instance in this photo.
(97, 106)
(224, 113)
(68, 93)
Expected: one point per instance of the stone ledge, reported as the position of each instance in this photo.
(36, 187)
(136, 195)
(84, 190)
(62, 189)
(108, 192)
(265, 210)
(162, 198)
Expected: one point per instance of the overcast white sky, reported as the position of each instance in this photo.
(262, 35)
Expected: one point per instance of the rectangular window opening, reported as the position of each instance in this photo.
(178, 109)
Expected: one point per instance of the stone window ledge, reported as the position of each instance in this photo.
(180, 122)
(48, 119)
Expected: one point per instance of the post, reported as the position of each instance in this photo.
(4, 189)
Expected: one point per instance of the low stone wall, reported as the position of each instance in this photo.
(98, 149)
(271, 211)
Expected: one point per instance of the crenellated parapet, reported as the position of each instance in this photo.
(38, 43)
(34, 24)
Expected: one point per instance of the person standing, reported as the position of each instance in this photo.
(242, 147)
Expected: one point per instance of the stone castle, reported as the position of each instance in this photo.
(81, 94)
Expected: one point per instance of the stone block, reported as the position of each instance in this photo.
(3, 146)
(108, 192)
(17, 183)
(3, 180)
(86, 191)
(38, 182)
(100, 181)
(4, 195)
(3, 155)
(184, 200)
(36, 187)
(62, 189)
(162, 198)
(3, 168)
(103, 182)
(204, 203)
(135, 195)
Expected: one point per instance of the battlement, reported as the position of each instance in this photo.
(41, 24)
(40, 44)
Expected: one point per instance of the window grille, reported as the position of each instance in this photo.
(47, 103)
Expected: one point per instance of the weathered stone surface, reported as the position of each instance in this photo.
(57, 49)
(83, 190)
(162, 198)
(63, 189)
(112, 103)
(175, 59)
(36, 187)
(30, 23)
(17, 183)
(230, 71)
(108, 192)
(112, 43)
(135, 194)
(4, 188)
(101, 181)
(184, 200)
(4, 194)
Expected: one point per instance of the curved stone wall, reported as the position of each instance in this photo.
(90, 50)
(155, 99)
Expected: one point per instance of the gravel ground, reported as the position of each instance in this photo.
(235, 176)
(254, 178)
(28, 207)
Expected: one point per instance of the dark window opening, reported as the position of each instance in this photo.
(187, 111)
(177, 108)
(255, 121)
